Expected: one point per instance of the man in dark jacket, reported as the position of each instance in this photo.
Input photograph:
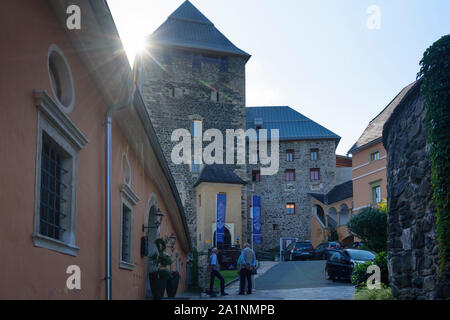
(214, 272)
(248, 264)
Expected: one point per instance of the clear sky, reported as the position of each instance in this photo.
(316, 56)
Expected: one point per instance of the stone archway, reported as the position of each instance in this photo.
(321, 215)
(332, 217)
(152, 233)
(228, 241)
(344, 214)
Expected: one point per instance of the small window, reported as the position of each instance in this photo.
(275, 227)
(290, 175)
(314, 154)
(375, 156)
(53, 207)
(215, 95)
(376, 194)
(289, 155)
(256, 175)
(58, 143)
(196, 128)
(314, 174)
(290, 208)
(171, 91)
(126, 253)
(199, 200)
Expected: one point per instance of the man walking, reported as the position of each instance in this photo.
(248, 264)
(214, 272)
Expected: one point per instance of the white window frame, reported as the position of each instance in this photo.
(128, 199)
(53, 122)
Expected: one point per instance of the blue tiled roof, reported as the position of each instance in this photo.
(292, 124)
(188, 28)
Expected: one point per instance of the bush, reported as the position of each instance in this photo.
(381, 261)
(385, 293)
(359, 276)
(370, 225)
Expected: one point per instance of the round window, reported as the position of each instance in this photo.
(61, 79)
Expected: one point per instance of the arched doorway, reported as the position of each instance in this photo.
(332, 217)
(227, 240)
(152, 233)
(320, 214)
(344, 215)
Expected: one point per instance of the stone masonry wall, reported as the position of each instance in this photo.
(275, 192)
(175, 94)
(412, 245)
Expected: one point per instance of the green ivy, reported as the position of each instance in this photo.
(193, 285)
(435, 73)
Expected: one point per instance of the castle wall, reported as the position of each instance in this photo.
(275, 192)
(412, 243)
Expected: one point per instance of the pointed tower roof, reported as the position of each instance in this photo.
(188, 28)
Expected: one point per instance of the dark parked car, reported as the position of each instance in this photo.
(298, 250)
(322, 251)
(356, 245)
(340, 263)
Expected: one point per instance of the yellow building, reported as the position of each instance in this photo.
(332, 210)
(370, 160)
(213, 181)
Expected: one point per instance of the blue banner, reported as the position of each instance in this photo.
(220, 223)
(256, 207)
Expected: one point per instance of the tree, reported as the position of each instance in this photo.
(370, 225)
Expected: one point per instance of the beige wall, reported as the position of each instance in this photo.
(26, 271)
(206, 212)
(318, 233)
(366, 172)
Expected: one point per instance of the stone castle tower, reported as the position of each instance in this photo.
(191, 76)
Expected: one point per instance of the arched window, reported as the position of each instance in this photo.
(344, 215)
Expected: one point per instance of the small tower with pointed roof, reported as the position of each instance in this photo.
(192, 76)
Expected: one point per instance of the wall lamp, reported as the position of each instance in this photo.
(158, 221)
(171, 241)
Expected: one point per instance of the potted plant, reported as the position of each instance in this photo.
(158, 278)
(172, 284)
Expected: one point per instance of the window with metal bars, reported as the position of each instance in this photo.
(52, 202)
(290, 175)
(126, 234)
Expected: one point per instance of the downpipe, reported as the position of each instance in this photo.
(108, 125)
(108, 277)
